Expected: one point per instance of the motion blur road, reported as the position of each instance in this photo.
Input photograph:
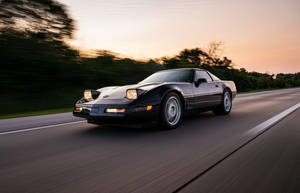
(208, 153)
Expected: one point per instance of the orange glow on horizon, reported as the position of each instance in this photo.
(259, 36)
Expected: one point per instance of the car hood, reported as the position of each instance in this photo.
(119, 92)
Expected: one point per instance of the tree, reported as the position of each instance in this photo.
(45, 19)
(215, 50)
(194, 56)
(201, 58)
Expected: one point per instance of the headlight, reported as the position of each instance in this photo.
(88, 95)
(132, 94)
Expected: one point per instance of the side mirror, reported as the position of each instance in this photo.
(199, 81)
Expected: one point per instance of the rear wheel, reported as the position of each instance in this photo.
(171, 111)
(226, 105)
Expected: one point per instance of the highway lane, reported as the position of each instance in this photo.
(88, 158)
(270, 163)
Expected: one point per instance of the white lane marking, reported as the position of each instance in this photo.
(42, 127)
(272, 121)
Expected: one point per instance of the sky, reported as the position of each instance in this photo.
(259, 35)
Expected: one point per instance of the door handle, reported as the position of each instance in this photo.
(217, 85)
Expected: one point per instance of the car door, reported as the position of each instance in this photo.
(206, 93)
(218, 89)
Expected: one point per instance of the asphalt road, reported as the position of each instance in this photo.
(80, 157)
(270, 163)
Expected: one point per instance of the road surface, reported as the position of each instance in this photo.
(208, 153)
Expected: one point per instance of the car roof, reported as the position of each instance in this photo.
(178, 69)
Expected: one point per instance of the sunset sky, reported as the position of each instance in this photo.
(259, 35)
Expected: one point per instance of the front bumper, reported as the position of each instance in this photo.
(134, 115)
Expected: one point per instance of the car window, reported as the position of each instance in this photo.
(169, 76)
(202, 74)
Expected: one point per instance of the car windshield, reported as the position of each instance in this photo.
(169, 76)
(213, 76)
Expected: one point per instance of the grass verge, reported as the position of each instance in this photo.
(34, 113)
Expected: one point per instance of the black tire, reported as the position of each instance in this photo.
(171, 111)
(224, 109)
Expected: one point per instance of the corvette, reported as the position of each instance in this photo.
(163, 97)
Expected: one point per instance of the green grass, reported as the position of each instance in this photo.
(34, 113)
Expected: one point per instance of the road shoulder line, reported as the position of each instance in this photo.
(272, 121)
(41, 127)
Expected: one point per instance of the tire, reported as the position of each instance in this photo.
(171, 111)
(225, 107)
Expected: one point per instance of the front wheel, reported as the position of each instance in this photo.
(171, 111)
(225, 107)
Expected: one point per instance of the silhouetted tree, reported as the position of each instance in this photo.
(214, 49)
(195, 56)
(45, 19)
(198, 57)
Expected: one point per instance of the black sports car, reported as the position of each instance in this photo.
(162, 97)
